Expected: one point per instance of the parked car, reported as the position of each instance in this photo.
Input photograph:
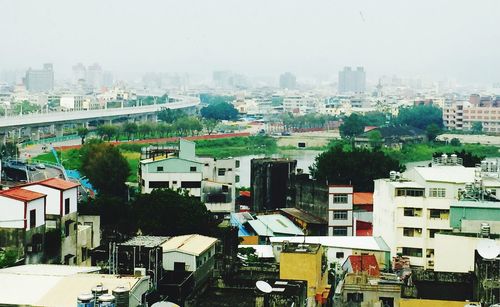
(40, 166)
(31, 167)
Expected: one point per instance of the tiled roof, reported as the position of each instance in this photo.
(21, 194)
(362, 198)
(59, 184)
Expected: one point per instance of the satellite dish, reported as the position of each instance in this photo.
(264, 286)
(488, 249)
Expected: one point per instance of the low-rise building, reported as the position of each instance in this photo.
(212, 181)
(22, 224)
(340, 207)
(301, 261)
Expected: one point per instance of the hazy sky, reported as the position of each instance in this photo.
(438, 39)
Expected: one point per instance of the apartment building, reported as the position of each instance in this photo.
(340, 207)
(409, 210)
(461, 115)
(210, 180)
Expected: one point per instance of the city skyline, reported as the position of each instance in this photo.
(433, 40)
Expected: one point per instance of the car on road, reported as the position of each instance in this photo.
(40, 166)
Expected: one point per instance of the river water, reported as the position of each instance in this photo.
(305, 158)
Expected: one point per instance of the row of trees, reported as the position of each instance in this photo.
(291, 122)
(428, 118)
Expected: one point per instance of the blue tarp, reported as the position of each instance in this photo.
(75, 174)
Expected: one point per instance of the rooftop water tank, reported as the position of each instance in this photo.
(106, 300)
(122, 296)
(85, 300)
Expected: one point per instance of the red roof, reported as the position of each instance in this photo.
(364, 263)
(362, 198)
(370, 128)
(363, 229)
(245, 193)
(21, 194)
(57, 183)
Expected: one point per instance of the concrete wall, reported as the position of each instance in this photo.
(173, 256)
(53, 197)
(72, 194)
(11, 213)
(39, 206)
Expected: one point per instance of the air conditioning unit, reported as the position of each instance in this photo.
(139, 272)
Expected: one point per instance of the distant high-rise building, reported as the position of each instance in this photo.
(222, 78)
(94, 76)
(288, 81)
(79, 73)
(107, 79)
(40, 80)
(352, 81)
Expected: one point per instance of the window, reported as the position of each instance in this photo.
(190, 184)
(225, 188)
(339, 231)
(437, 192)
(192, 169)
(159, 168)
(432, 232)
(66, 206)
(412, 252)
(339, 255)
(237, 163)
(412, 192)
(412, 212)
(32, 218)
(355, 297)
(158, 184)
(221, 172)
(439, 214)
(237, 178)
(429, 253)
(412, 232)
(340, 215)
(67, 225)
(340, 198)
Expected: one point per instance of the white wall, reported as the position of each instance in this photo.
(453, 253)
(11, 213)
(72, 194)
(171, 177)
(173, 256)
(39, 206)
(53, 197)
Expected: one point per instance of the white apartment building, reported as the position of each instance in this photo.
(461, 115)
(408, 211)
(210, 180)
(340, 222)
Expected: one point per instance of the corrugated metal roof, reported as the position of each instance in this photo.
(446, 173)
(304, 216)
(146, 241)
(274, 224)
(194, 244)
(362, 263)
(364, 243)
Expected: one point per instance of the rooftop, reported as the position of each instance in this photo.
(21, 194)
(270, 225)
(145, 241)
(362, 198)
(477, 204)
(304, 216)
(194, 244)
(59, 184)
(362, 263)
(446, 173)
(301, 248)
(364, 243)
(54, 285)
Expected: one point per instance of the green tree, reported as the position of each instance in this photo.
(164, 212)
(7, 150)
(420, 116)
(220, 111)
(144, 129)
(455, 142)
(170, 115)
(375, 139)
(82, 133)
(477, 127)
(358, 167)
(105, 167)
(26, 107)
(432, 131)
(352, 126)
(106, 132)
(130, 129)
(210, 125)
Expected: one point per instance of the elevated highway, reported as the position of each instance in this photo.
(61, 118)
